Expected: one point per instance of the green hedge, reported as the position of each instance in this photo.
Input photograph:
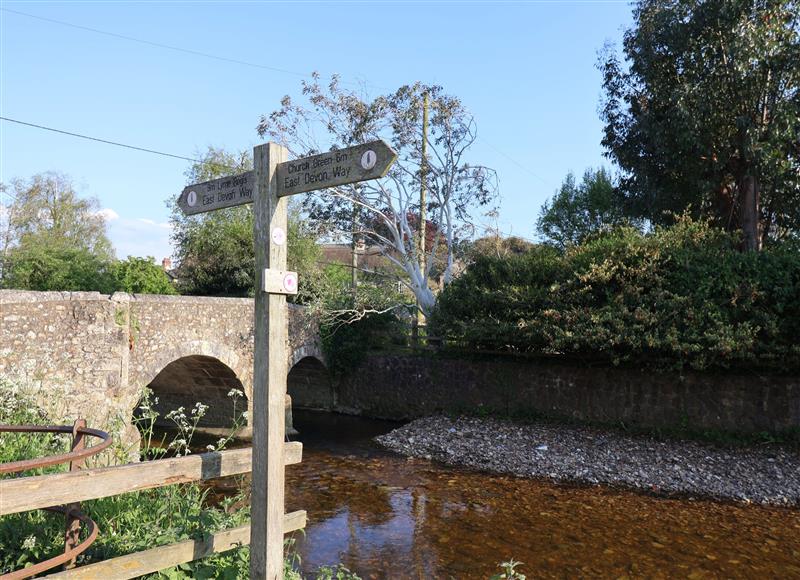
(681, 297)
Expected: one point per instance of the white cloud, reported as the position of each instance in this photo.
(149, 222)
(108, 214)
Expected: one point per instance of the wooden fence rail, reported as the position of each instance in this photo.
(41, 491)
(149, 561)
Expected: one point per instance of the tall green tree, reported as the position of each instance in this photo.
(37, 265)
(53, 238)
(705, 113)
(580, 209)
(215, 251)
(141, 276)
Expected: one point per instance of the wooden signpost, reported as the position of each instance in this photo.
(271, 181)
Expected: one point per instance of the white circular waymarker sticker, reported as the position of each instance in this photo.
(278, 236)
(368, 159)
(290, 282)
(191, 199)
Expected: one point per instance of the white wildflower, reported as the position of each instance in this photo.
(29, 543)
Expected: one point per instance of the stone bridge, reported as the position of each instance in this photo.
(91, 355)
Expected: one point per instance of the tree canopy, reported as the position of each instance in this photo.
(141, 276)
(36, 265)
(215, 251)
(53, 239)
(580, 209)
(47, 207)
(705, 113)
(382, 212)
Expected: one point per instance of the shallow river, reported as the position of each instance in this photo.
(385, 516)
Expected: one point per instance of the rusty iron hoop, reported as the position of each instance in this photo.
(61, 558)
(28, 464)
(77, 455)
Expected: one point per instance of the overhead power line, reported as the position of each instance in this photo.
(106, 141)
(156, 44)
(514, 161)
(170, 46)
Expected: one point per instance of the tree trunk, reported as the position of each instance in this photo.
(750, 212)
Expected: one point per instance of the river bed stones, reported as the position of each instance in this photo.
(768, 475)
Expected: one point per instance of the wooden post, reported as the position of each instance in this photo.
(269, 373)
(72, 533)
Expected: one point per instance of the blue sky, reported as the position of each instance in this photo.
(526, 71)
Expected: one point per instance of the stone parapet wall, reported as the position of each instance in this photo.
(407, 386)
(84, 354)
(69, 349)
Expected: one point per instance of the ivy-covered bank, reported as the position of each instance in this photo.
(683, 297)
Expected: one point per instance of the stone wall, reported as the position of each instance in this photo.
(309, 384)
(70, 348)
(401, 387)
(90, 355)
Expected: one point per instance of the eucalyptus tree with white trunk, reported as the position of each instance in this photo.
(385, 213)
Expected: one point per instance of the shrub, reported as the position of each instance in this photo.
(681, 297)
(141, 276)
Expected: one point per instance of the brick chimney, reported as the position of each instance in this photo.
(166, 264)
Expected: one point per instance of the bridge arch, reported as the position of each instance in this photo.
(309, 383)
(199, 372)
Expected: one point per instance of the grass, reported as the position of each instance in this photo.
(135, 521)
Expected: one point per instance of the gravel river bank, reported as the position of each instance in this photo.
(769, 475)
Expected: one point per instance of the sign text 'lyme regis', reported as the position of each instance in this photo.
(339, 167)
(218, 193)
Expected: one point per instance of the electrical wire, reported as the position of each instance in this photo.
(514, 161)
(156, 44)
(169, 46)
(106, 141)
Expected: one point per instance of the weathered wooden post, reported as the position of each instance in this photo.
(269, 373)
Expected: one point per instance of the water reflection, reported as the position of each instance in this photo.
(386, 516)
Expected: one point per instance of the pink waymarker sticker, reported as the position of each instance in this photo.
(290, 282)
(278, 236)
